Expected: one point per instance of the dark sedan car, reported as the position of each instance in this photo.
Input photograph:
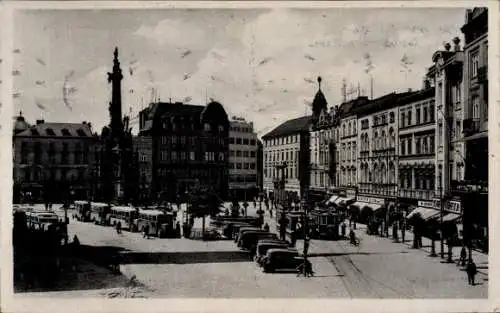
(280, 259)
(248, 240)
(263, 246)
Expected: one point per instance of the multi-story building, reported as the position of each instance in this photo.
(190, 147)
(323, 140)
(260, 166)
(286, 155)
(52, 161)
(243, 150)
(143, 147)
(416, 148)
(473, 191)
(377, 133)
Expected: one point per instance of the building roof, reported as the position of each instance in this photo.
(19, 124)
(348, 108)
(384, 102)
(416, 96)
(57, 130)
(290, 127)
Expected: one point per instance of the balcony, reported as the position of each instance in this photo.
(421, 194)
(471, 126)
(482, 74)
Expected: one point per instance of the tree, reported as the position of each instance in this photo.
(204, 201)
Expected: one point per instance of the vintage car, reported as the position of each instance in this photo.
(281, 259)
(264, 245)
(243, 230)
(248, 241)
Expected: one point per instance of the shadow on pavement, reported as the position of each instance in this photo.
(185, 257)
(352, 253)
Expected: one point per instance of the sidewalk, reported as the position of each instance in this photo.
(481, 259)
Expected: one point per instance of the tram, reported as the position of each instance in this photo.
(99, 213)
(82, 211)
(125, 215)
(159, 223)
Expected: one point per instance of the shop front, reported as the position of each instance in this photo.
(425, 218)
(369, 209)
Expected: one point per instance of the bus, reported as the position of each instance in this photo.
(125, 215)
(82, 211)
(161, 224)
(99, 212)
(40, 220)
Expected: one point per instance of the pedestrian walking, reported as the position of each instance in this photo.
(146, 232)
(352, 237)
(343, 228)
(403, 230)
(471, 270)
(463, 256)
(119, 228)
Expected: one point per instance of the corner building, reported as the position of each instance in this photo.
(190, 146)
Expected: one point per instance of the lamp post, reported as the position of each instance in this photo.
(306, 232)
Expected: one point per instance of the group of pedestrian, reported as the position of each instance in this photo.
(470, 266)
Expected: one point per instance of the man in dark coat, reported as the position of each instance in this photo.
(471, 270)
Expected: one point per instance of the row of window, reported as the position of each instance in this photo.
(242, 166)
(277, 156)
(349, 128)
(381, 142)
(424, 114)
(29, 174)
(424, 144)
(281, 141)
(348, 151)
(291, 172)
(178, 123)
(64, 158)
(422, 181)
(192, 141)
(381, 119)
(245, 154)
(190, 173)
(241, 129)
(378, 173)
(243, 179)
(190, 156)
(242, 141)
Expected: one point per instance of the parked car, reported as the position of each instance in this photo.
(248, 240)
(280, 259)
(230, 229)
(263, 246)
(243, 230)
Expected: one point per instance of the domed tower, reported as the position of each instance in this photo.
(319, 103)
(19, 124)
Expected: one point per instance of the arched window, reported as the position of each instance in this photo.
(375, 173)
(392, 173)
(383, 140)
(367, 173)
(383, 173)
(375, 139)
(392, 138)
(343, 130)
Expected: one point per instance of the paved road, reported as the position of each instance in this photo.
(378, 268)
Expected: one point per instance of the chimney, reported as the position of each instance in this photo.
(456, 42)
(447, 46)
(38, 122)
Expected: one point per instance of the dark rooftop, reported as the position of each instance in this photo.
(58, 130)
(290, 127)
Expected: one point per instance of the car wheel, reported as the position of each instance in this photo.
(268, 269)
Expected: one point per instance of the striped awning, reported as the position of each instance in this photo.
(425, 213)
(342, 200)
(332, 199)
(372, 206)
(451, 217)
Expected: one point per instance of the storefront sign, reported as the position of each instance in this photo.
(454, 207)
(351, 193)
(377, 201)
(428, 204)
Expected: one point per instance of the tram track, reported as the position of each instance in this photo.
(357, 283)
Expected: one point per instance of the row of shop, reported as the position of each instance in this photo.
(426, 216)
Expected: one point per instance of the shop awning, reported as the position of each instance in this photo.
(425, 213)
(361, 205)
(342, 200)
(332, 199)
(451, 217)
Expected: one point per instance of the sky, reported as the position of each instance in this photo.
(261, 64)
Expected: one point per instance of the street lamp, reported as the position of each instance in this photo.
(305, 210)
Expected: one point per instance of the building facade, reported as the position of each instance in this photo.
(416, 148)
(190, 146)
(52, 161)
(377, 133)
(286, 155)
(473, 191)
(243, 159)
(143, 147)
